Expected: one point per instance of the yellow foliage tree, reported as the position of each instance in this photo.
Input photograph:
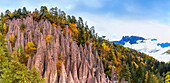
(146, 76)
(135, 65)
(156, 79)
(11, 38)
(30, 49)
(5, 28)
(141, 59)
(152, 67)
(167, 77)
(138, 57)
(59, 63)
(104, 45)
(93, 44)
(10, 14)
(19, 52)
(143, 63)
(49, 38)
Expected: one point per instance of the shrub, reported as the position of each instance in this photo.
(22, 27)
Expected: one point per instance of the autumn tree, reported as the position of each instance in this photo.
(21, 55)
(146, 76)
(11, 38)
(49, 38)
(5, 29)
(30, 49)
(59, 63)
(167, 77)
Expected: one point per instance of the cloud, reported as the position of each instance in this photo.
(112, 27)
(152, 49)
(2, 10)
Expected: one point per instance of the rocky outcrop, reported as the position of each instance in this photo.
(123, 80)
(70, 78)
(80, 65)
(114, 77)
(63, 75)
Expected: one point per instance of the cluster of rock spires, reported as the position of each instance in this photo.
(80, 65)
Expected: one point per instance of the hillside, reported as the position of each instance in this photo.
(62, 49)
(151, 47)
(167, 52)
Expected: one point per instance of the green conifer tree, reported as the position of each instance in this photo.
(125, 72)
(12, 71)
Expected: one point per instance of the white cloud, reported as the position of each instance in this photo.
(148, 47)
(2, 10)
(118, 27)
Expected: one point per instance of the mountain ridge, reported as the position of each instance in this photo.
(130, 39)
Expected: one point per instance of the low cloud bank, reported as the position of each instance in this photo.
(151, 48)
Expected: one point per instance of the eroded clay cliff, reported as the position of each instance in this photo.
(80, 65)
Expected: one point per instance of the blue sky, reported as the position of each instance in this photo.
(113, 18)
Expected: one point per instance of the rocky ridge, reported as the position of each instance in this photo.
(81, 65)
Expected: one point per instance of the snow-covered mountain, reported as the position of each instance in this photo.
(152, 47)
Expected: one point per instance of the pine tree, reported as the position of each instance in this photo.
(24, 12)
(3, 49)
(81, 37)
(12, 71)
(34, 76)
(160, 78)
(21, 55)
(125, 72)
(133, 73)
(151, 78)
(139, 74)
